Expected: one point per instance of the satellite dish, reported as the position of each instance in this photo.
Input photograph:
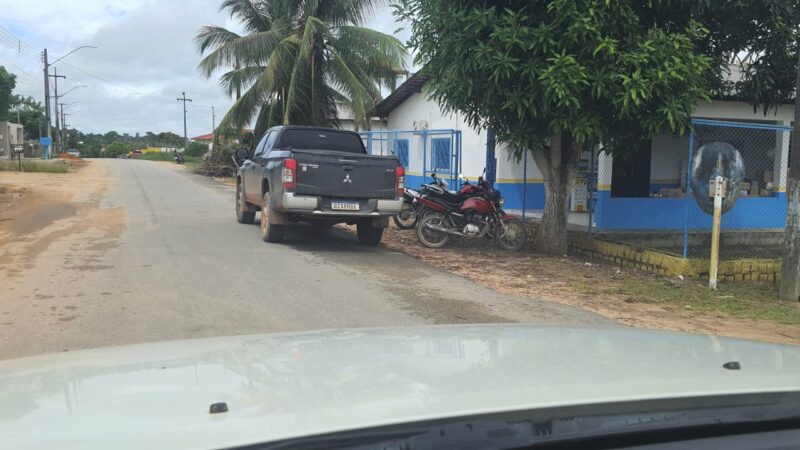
(713, 160)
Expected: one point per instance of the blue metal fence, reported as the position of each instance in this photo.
(422, 152)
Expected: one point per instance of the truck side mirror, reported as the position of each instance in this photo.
(242, 153)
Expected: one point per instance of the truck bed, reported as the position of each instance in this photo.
(328, 173)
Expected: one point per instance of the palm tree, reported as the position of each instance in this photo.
(300, 59)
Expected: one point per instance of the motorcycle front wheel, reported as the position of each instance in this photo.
(512, 237)
(406, 219)
(429, 237)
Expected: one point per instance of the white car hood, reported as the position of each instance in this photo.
(289, 385)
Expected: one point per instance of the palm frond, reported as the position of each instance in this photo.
(361, 102)
(247, 50)
(253, 14)
(238, 79)
(347, 12)
(314, 31)
(212, 36)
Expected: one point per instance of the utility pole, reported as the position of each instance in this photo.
(183, 99)
(63, 125)
(47, 87)
(213, 130)
(57, 76)
(46, 100)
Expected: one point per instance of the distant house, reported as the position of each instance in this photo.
(633, 193)
(11, 134)
(209, 138)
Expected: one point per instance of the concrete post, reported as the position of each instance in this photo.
(781, 169)
(605, 163)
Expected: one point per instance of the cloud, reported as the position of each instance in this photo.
(145, 58)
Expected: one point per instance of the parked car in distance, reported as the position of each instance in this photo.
(122, 156)
(317, 175)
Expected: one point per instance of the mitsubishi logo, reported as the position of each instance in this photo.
(347, 179)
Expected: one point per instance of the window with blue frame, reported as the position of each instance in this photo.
(440, 154)
(401, 151)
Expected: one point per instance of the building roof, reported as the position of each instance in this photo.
(204, 137)
(210, 136)
(403, 92)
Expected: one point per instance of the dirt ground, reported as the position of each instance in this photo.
(628, 296)
(37, 209)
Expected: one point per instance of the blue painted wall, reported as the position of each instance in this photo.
(670, 213)
(512, 192)
(655, 187)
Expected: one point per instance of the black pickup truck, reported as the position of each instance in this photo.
(317, 175)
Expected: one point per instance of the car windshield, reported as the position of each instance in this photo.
(321, 139)
(247, 221)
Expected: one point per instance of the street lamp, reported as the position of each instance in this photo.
(60, 131)
(47, 77)
(71, 52)
(76, 87)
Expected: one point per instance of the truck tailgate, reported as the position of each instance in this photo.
(345, 175)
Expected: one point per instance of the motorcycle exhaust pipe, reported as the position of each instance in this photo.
(444, 230)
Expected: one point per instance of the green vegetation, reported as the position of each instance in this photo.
(36, 166)
(557, 76)
(93, 143)
(31, 115)
(299, 60)
(7, 83)
(196, 149)
(742, 300)
(168, 157)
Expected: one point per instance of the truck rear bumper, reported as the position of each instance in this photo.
(316, 206)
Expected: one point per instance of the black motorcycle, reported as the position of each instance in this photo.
(407, 218)
(179, 158)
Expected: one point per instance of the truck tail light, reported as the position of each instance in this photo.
(400, 181)
(289, 174)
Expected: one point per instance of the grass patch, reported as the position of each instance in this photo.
(742, 300)
(168, 157)
(36, 166)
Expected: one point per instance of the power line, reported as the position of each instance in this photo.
(21, 70)
(99, 77)
(22, 43)
(18, 45)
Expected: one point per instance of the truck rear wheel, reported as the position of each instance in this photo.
(270, 231)
(367, 234)
(243, 212)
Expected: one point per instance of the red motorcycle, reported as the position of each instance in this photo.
(413, 209)
(480, 215)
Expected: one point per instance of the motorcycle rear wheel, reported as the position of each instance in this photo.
(512, 237)
(432, 238)
(406, 219)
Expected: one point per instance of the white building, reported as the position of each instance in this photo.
(11, 134)
(419, 132)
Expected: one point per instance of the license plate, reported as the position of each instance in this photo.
(345, 206)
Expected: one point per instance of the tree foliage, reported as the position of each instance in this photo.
(30, 113)
(117, 148)
(531, 70)
(556, 76)
(298, 60)
(7, 83)
(196, 149)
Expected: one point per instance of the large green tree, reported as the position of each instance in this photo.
(555, 77)
(7, 83)
(298, 60)
(30, 114)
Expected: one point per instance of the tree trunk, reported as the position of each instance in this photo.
(557, 163)
(790, 269)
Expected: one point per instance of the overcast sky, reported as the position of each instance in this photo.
(145, 58)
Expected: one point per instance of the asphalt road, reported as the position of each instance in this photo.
(156, 254)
